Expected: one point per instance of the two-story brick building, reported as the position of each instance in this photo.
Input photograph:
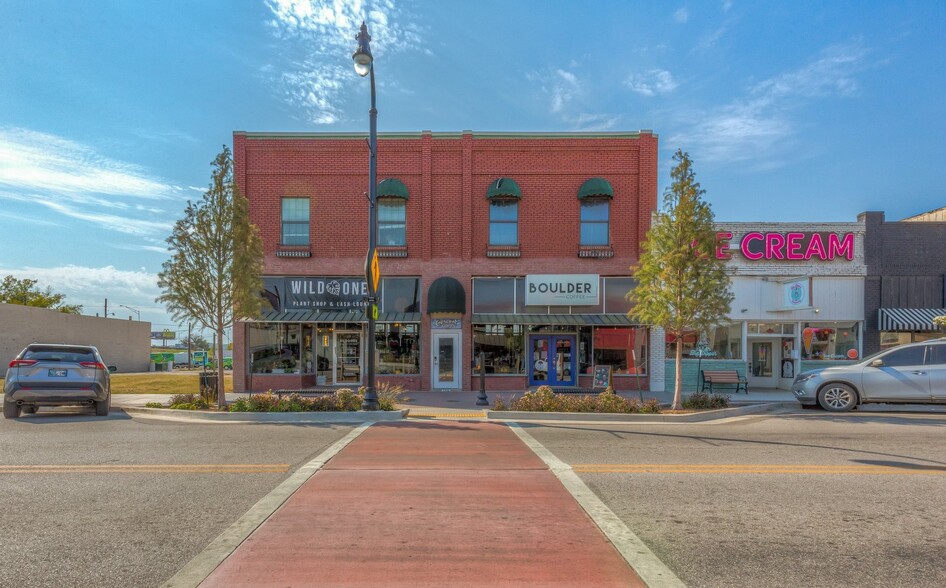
(516, 246)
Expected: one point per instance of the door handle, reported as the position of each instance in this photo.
(919, 373)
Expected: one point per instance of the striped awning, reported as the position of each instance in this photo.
(909, 319)
(551, 319)
(336, 316)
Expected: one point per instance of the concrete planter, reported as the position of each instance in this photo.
(267, 417)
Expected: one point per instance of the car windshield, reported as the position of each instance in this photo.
(60, 354)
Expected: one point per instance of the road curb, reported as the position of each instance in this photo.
(265, 417)
(695, 417)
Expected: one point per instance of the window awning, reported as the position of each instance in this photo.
(446, 295)
(335, 316)
(392, 187)
(595, 187)
(604, 320)
(909, 319)
(503, 188)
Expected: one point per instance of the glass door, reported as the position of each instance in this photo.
(446, 361)
(762, 373)
(552, 360)
(347, 358)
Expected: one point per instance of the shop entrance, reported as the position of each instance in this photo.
(763, 363)
(552, 360)
(446, 361)
(348, 357)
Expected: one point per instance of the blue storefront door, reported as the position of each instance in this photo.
(552, 360)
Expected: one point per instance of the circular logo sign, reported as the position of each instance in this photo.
(852, 353)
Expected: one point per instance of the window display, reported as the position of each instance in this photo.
(831, 341)
(502, 348)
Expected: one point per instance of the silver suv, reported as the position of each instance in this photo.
(50, 374)
(913, 373)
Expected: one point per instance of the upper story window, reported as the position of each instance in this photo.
(295, 221)
(503, 195)
(392, 213)
(595, 196)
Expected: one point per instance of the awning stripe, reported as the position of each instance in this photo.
(552, 319)
(336, 316)
(909, 319)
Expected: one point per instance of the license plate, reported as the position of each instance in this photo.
(57, 373)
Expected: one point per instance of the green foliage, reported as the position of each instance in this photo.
(188, 402)
(389, 395)
(702, 400)
(681, 285)
(544, 399)
(939, 321)
(343, 400)
(25, 293)
(216, 259)
(153, 405)
(197, 343)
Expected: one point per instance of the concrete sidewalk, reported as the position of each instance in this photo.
(429, 504)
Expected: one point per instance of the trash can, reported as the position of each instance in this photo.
(208, 387)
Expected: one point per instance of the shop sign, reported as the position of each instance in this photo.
(791, 246)
(562, 290)
(446, 324)
(797, 294)
(316, 293)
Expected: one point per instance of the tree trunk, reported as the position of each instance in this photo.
(221, 388)
(678, 378)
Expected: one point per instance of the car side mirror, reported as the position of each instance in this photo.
(877, 363)
(112, 369)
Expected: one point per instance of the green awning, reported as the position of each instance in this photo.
(604, 320)
(393, 188)
(446, 294)
(595, 187)
(503, 188)
(335, 316)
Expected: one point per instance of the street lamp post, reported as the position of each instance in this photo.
(134, 310)
(364, 66)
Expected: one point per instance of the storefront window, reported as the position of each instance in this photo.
(398, 348)
(502, 348)
(890, 339)
(615, 295)
(492, 295)
(400, 295)
(275, 348)
(623, 348)
(721, 342)
(829, 341)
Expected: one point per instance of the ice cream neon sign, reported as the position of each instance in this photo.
(792, 246)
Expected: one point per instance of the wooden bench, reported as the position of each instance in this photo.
(712, 377)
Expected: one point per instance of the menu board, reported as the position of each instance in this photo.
(602, 377)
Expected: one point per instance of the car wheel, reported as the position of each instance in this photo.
(29, 409)
(11, 410)
(102, 406)
(837, 398)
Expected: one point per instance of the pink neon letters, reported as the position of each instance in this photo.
(792, 246)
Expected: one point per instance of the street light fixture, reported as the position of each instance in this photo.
(134, 310)
(364, 66)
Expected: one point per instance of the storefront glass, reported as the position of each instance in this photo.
(890, 339)
(398, 347)
(829, 341)
(623, 348)
(400, 295)
(502, 348)
(723, 340)
(494, 295)
(275, 348)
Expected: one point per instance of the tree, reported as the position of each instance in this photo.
(196, 342)
(681, 285)
(213, 275)
(25, 293)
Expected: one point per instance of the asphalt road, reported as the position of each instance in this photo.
(804, 499)
(129, 502)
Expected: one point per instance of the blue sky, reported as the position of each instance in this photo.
(111, 112)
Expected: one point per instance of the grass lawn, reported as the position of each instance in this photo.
(161, 383)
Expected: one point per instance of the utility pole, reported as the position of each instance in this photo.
(106, 308)
(189, 345)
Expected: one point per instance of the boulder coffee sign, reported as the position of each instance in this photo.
(315, 293)
(562, 290)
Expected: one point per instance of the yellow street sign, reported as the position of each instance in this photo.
(375, 274)
(374, 311)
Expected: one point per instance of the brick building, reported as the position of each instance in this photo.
(905, 285)
(514, 245)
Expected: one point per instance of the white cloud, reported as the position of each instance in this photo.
(761, 126)
(90, 286)
(653, 82)
(681, 15)
(323, 31)
(727, 4)
(563, 91)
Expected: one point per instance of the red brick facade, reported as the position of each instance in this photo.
(447, 176)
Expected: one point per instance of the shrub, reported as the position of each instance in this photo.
(389, 395)
(501, 403)
(178, 400)
(544, 399)
(154, 405)
(702, 400)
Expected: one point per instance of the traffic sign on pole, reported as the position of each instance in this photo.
(375, 272)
